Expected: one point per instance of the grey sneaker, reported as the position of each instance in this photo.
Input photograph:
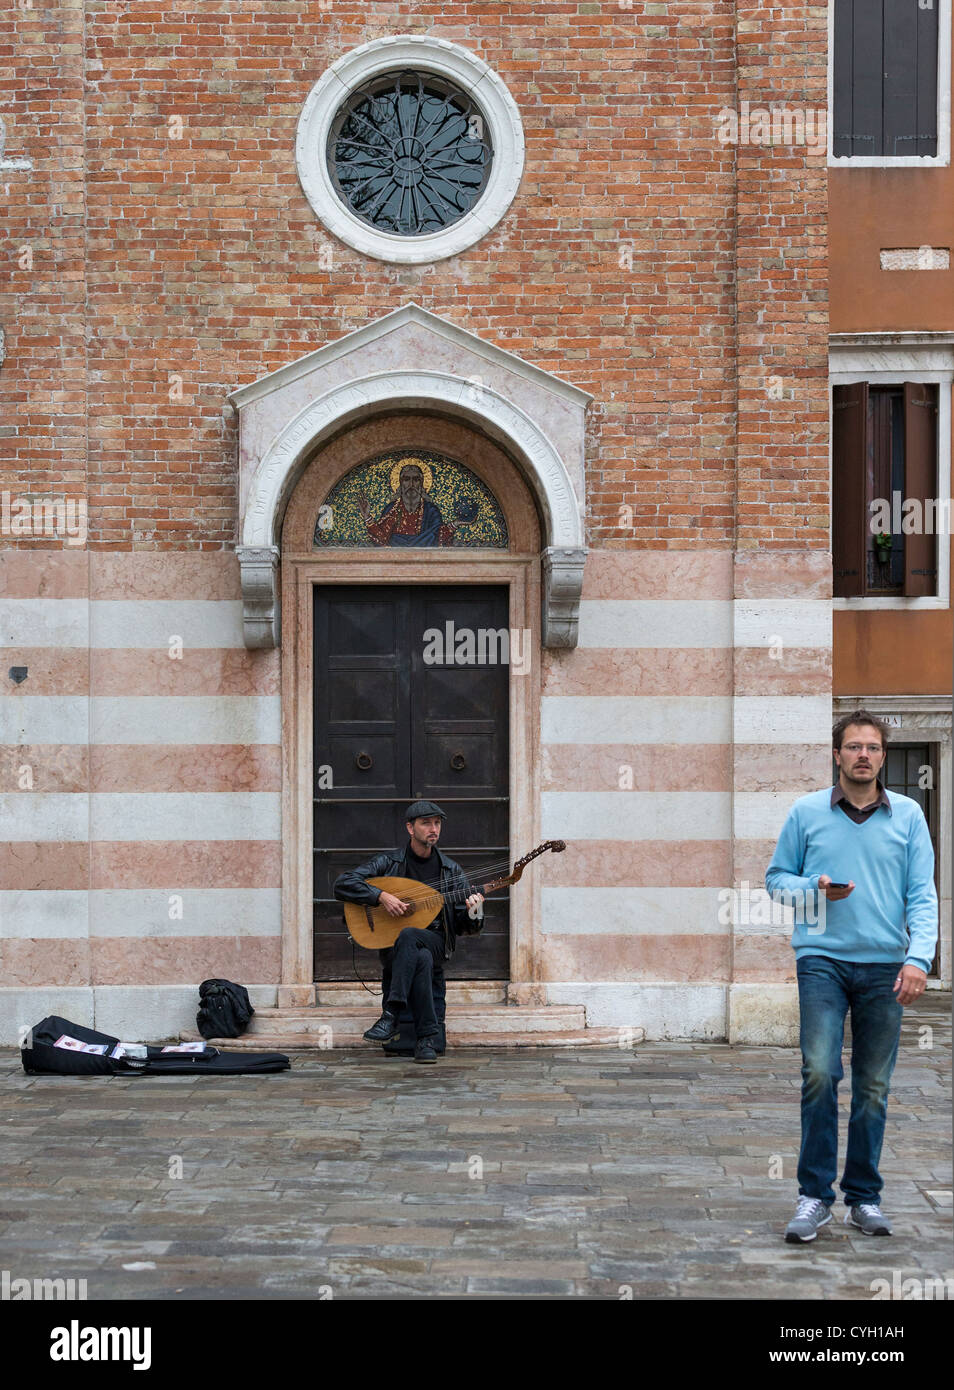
(810, 1214)
(868, 1217)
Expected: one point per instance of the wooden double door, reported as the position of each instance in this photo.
(402, 712)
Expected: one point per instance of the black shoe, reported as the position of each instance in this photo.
(385, 1030)
(424, 1051)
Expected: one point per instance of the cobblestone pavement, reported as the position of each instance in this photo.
(528, 1172)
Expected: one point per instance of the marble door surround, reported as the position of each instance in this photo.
(303, 568)
(409, 380)
(412, 360)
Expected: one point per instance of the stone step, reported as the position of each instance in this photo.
(458, 992)
(350, 1021)
(304, 1042)
(470, 1025)
(499, 1018)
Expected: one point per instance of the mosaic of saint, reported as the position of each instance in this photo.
(411, 497)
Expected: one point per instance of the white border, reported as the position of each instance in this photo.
(907, 161)
(889, 364)
(424, 54)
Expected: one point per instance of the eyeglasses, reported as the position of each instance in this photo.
(862, 748)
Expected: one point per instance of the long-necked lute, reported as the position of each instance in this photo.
(375, 928)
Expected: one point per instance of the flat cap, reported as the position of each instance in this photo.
(423, 808)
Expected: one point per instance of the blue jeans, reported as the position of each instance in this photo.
(827, 989)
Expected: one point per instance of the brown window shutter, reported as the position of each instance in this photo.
(920, 482)
(849, 510)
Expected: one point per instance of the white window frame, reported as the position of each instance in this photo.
(422, 54)
(890, 361)
(903, 161)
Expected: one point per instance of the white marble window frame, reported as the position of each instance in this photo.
(942, 159)
(891, 364)
(422, 54)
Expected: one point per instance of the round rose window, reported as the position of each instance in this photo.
(409, 153)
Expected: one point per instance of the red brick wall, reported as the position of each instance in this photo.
(783, 471)
(43, 382)
(197, 258)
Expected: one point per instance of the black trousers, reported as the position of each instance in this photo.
(413, 967)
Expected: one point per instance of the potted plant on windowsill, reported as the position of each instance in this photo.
(883, 546)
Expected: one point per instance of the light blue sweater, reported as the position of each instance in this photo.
(890, 860)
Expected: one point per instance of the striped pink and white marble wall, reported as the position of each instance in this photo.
(140, 811)
(695, 709)
(781, 751)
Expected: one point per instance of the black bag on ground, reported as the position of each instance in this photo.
(224, 1009)
(55, 1047)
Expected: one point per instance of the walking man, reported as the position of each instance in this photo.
(413, 968)
(868, 854)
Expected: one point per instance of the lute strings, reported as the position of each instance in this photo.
(458, 895)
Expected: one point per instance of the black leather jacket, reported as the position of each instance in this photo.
(454, 919)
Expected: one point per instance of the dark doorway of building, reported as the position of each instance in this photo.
(402, 712)
(911, 769)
